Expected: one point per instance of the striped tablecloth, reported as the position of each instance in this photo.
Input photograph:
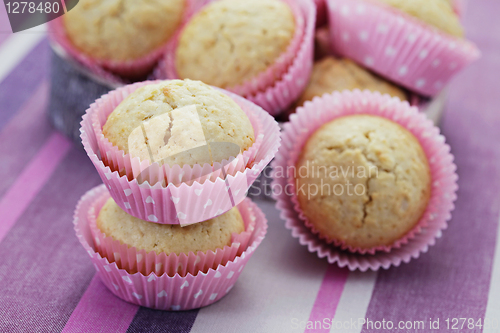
(48, 284)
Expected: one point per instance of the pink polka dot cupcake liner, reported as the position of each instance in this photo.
(459, 6)
(321, 17)
(133, 260)
(174, 194)
(283, 82)
(118, 160)
(65, 49)
(266, 78)
(443, 173)
(397, 46)
(169, 290)
(110, 70)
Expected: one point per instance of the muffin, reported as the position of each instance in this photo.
(192, 178)
(115, 29)
(166, 238)
(363, 182)
(230, 42)
(331, 74)
(179, 122)
(417, 44)
(437, 13)
(333, 130)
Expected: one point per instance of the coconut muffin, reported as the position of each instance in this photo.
(179, 122)
(232, 41)
(167, 238)
(331, 74)
(437, 13)
(115, 29)
(367, 182)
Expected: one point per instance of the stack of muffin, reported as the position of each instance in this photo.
(177, 157)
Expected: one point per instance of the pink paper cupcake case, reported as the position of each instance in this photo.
(193, 194)
(133, 260)
(264, 79)
(164, 292)
(109, 69)
(284, 92)
(258, 83)
(280, 66)
(116, 159)
(63, 47)
(321, 17)
(397, 46)
(444, 179)
(294, 66)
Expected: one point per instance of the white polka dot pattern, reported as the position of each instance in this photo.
(161, 291)
(397, 46)
(161, 203)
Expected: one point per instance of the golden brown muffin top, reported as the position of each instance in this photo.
(122, 29)
(373, 181)
(232, 41)
(331, 74)
(177, 122)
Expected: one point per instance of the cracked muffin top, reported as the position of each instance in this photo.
(367, 183)
(232, 41)
(116, 29)
(167, 238)
(437, 13)
(331, 74)
(179, 122)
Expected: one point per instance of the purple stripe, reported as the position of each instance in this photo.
(23, 136)
(21, 83)
(31, 180)
(148, 320)
(452, 279)
(100, 311)
(44, 271)
(328, 296)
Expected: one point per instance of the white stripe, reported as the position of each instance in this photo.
(354, 302)
(16, 47)
(279, 284)
(492, 317)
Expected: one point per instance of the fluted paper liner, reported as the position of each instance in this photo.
(109, 70)
(444, 178)
(396, 45)
(117, 160)
(133, 260)
(274, 95)
(164, 292)
(189, 194)
(320, 12)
